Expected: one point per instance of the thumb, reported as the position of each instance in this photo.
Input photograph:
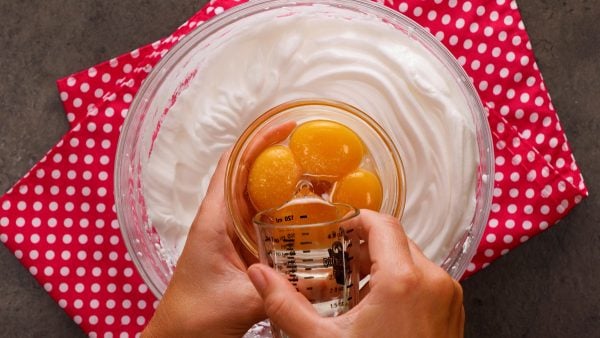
(288, 309)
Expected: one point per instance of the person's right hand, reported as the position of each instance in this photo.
(407, 296)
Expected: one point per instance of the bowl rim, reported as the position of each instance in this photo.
(156, 77)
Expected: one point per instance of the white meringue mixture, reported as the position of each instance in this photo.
(259, 63)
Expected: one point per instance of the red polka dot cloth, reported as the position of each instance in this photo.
(60, 221)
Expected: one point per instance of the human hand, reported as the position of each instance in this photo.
(407, 295)
(210, 294)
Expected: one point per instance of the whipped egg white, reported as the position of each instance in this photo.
(320, 52)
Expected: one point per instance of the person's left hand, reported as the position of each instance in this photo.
(210, 294)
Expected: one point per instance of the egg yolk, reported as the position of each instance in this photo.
(361, 189)
(273, 177)
(326, 148)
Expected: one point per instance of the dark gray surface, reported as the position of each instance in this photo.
(546, 288)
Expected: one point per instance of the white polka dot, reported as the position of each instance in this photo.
(64, 271)
(125, 320)
(65, 255)
(63, 287)
(474, 27)
(545, 210)
(96, 272)
(111, 288)
(88, 159)
(539, 101)
(19, 239)
(482, 48)
(502, 36)
(497, 88)
(488, 253)
(114, 240)
(128, 272)
(511, 208)
(490, 238)
(494, 16)
(483, 85)
(80, 271)
(77, 102)
(85, 87)
(95, 288)
(543, 225)
(539, 139)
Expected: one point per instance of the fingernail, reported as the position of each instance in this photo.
(257, 278)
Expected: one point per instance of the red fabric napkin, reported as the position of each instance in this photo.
(60, 221)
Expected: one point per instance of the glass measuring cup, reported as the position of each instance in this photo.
(313, 244)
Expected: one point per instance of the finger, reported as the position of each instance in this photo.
(419, 257)
(387, 243)
(457, 317)
(212, 213)
(461, 322)
(215, 194)
(287, 308)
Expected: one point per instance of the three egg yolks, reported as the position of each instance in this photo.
(318, 151)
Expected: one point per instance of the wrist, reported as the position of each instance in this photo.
(166, 323)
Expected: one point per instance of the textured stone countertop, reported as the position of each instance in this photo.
(546, 288)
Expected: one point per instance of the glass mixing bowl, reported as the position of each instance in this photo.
(172, 76)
